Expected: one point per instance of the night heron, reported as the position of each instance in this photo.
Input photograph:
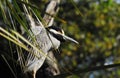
(46, 39)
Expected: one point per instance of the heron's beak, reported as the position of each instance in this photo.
(70, 39)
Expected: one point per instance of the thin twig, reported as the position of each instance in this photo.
(87, 70)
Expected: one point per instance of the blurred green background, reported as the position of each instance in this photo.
(95, 24)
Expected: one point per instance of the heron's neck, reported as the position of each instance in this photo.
(55, 42)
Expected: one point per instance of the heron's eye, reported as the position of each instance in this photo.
(59, 32)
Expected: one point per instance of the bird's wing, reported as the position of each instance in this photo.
(42, 39)
(36, 58)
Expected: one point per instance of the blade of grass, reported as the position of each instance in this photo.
(28, 4)
(10, 35)
(15, 15)
(17, 8)
(73, 3)
(21, 57)
(17, 43)
(9, 66)
(12, 38)
(4, 8)
(34, 47)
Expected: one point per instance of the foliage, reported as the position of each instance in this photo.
(94, 23)
(96, 26)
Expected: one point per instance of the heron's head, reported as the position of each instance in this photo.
(59, 34)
